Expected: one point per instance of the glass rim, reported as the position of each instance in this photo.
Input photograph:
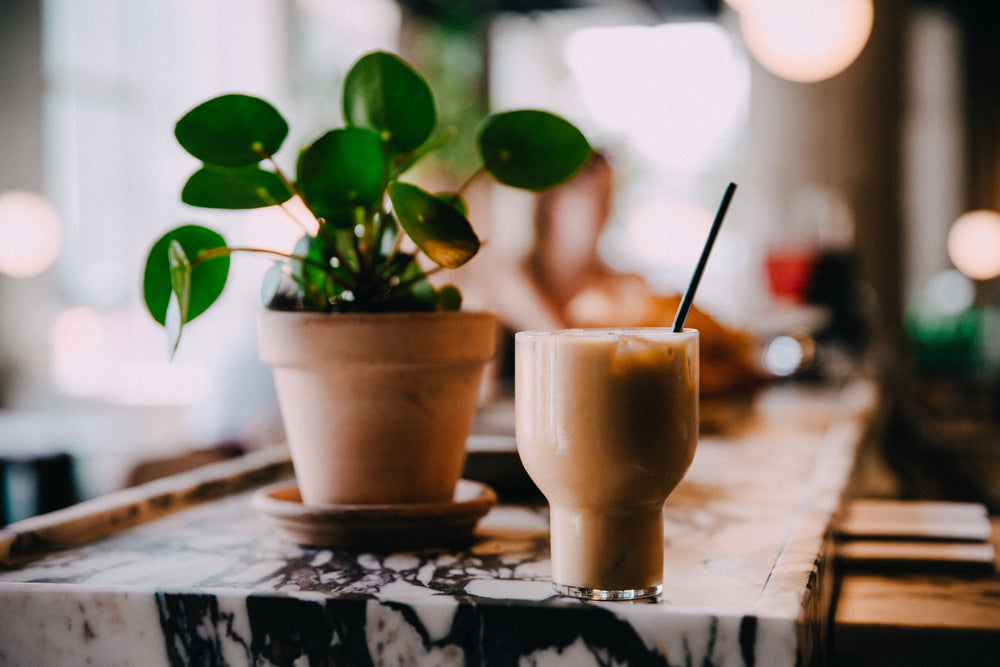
(597, 332)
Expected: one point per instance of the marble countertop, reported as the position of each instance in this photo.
(184, 571)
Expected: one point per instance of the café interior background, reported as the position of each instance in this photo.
(879, 160)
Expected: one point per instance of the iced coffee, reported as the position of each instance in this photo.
(607, 425)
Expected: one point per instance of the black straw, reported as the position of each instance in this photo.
(682, 312)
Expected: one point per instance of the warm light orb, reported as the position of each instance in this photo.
(974, 244)
(805, 41)
(30, 234)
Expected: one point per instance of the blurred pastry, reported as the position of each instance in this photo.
(729, 357)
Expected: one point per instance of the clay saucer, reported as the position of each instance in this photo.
(396, 527)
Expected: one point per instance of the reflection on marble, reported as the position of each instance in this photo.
(745, 562)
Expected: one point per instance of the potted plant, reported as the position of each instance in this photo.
(376, 369)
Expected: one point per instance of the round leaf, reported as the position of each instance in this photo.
(449, 298)
(232, 130)
(436, 227)
(207, 279)
(234, 188)
(531, 149)
(341, 170)
(385, 94)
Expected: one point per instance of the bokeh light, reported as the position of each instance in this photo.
(783, 355)
(30, 234)
(974, 244)
(805, 41)
(948, 293)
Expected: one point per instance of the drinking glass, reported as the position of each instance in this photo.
(607, 425)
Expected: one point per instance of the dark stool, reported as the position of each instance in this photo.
(31, 485)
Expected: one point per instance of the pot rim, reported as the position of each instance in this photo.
(299, 338)
(373, 316)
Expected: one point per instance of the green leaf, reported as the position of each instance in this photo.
(449, 298)
(173, 324)
(383, 93)
(438, 229)
(234, 188)
(232, 130)
(320, 284)
(530, 149)
(343, 169)
(207, 279)
(180, 298)
(344, 252)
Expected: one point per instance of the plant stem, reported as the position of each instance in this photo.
(420, 276)
(264, 155)
(362, 244)
(295, 191)
(301, 225)
(396, 245)
(225, 251)
(470, 179)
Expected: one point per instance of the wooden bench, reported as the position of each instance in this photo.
(918, 617)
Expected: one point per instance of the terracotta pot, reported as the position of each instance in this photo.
(377, 407)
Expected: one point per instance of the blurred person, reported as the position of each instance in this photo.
(563, 283)
(564, 269)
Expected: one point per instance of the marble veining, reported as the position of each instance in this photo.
(746, 578)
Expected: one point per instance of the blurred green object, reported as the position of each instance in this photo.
(965, 343)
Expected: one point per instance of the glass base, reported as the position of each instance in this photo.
(602, 594)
